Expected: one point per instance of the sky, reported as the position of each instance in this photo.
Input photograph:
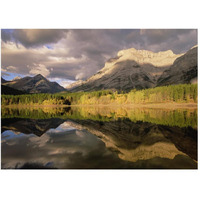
(68, 55)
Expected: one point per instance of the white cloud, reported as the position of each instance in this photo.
(79, 76)
(66, 83)
(40, 141)
(3, 70)
(62, 82)
(78, 54)
(39, 69)
(80, 133)
(12, 68)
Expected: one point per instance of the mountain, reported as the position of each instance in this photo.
(36, 84)
(183, 70)
(139, 69)
(10, 91)
(130, 69)
(3, 80)
(16, 78)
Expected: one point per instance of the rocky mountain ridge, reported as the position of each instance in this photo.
(36, 84)
(183, 70)
(138, 69)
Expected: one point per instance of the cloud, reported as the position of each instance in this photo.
(3, 70)
(66, 83)
(33, 37)
(61, 81)
(39, 69)
(78, 54)
(40, 141)
(79, 76)
(11, 68)
(6, 35)
(164, 39)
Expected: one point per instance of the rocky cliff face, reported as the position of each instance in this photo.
(130, 69)
(183, 70)
(36, 84)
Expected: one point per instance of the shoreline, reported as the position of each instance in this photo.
(147, 105)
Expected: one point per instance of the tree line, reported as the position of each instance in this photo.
(183, 93)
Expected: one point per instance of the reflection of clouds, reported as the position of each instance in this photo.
(80, 149)
(11, 142)
(8, 134)
(40, 141)
(53, 131)
(79, 133)
(61, 151)
(65, 150)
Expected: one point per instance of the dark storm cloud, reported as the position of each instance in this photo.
(178, 40)
(6, 35)
(75, 52)
(35, 37)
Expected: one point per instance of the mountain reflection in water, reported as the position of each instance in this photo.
(93, 138)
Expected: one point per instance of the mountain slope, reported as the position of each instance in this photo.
(3, 80)
(130, 69)
(36, 84)
(183, 70)
(10, 91)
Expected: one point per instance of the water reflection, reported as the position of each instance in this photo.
(168, 117)
(88, 138)
(30, 126)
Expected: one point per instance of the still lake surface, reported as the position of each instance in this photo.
(98, 138)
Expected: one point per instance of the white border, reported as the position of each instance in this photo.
(99, 184)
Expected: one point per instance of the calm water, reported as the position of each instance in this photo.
(98, 138)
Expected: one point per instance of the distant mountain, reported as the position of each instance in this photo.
(16, 78)
(183, 70)
(36, 84)
(3, 80)
(130, 69)
(10, 91)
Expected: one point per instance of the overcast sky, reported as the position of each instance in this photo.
(68, 55)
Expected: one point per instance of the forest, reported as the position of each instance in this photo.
(183, 93)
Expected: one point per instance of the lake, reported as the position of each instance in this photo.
(98, 138)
